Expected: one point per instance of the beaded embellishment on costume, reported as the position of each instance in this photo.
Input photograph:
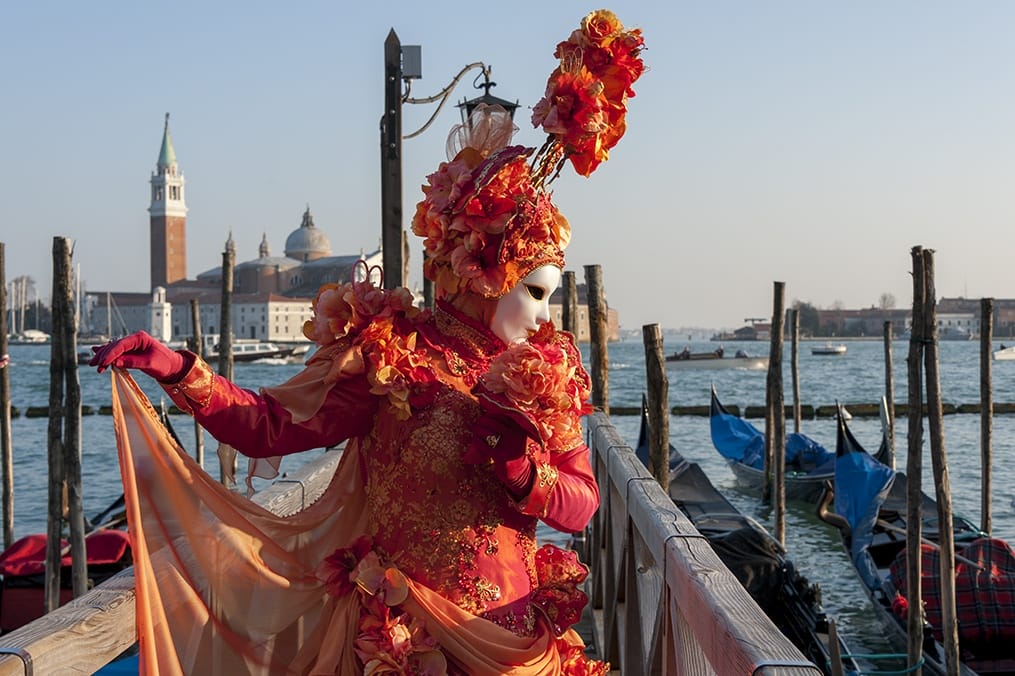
(469, 349)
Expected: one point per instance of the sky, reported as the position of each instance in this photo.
(813, 143)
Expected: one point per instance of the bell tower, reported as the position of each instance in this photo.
(168, 218)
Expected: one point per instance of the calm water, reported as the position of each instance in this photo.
(857, 377)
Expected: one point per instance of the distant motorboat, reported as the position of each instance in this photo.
(955, 333)
(716, 359)
(245, 350)
(1005, 353)
(829, 349)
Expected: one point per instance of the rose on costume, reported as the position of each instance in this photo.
(336, 570)
(585, 104)
(378, 326)
(541, 384)
(389, 640)
(342, 310)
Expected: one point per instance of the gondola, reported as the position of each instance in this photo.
(23, 564)
(752, 555)
(870, 512)
(808, 463)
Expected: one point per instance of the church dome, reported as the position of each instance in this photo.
(307, 242)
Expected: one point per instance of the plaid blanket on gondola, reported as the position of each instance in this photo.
(984, 593)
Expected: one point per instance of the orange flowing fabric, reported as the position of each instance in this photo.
(226, 587)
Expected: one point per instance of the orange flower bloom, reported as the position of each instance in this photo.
(586, 96)
(543, 379)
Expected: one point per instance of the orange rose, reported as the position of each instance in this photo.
(543, 379)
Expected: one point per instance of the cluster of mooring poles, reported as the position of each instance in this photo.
(64, 503)
(924, 398)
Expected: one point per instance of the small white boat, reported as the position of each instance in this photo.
(828, 348)
(256, 350)
(1005, 353)
(28, 337)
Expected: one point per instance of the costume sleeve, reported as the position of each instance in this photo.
(564, 493)
(258, 425)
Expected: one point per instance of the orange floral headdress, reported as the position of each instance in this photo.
(487, 218)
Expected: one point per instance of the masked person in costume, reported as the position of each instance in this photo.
(462, 427)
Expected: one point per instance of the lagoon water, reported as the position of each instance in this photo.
(855, 377)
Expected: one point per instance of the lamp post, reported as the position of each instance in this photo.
(403, 65)
(466, 107)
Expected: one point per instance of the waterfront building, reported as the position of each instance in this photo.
(272, 295)
(582, 331)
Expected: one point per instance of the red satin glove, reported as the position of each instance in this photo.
(499, 440)
(140, 351)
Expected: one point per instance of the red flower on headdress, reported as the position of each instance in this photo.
(486, 217)
(586, 96)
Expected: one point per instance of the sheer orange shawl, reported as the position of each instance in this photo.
(225, 586)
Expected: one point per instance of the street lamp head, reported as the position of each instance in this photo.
(466, 107)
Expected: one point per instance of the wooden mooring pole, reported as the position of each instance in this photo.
(226, 453)
(939, 460)
(658, 405)
(198, 347)
(569, 308)
(600, 360)
(64, 431)
(890, 391)
(914, 468)
(794, 364)
(6, 442)
(986, 411)
(775, 420)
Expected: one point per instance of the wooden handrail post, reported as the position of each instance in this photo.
(600, 360)
(658, 405)
(986, 411)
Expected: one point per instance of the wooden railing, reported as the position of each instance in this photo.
(663, 601)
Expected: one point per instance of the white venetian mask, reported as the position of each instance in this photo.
(525, 307)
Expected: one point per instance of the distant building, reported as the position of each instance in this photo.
(272, 295)
(167, 217)
(866, 322)
(583, 335)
